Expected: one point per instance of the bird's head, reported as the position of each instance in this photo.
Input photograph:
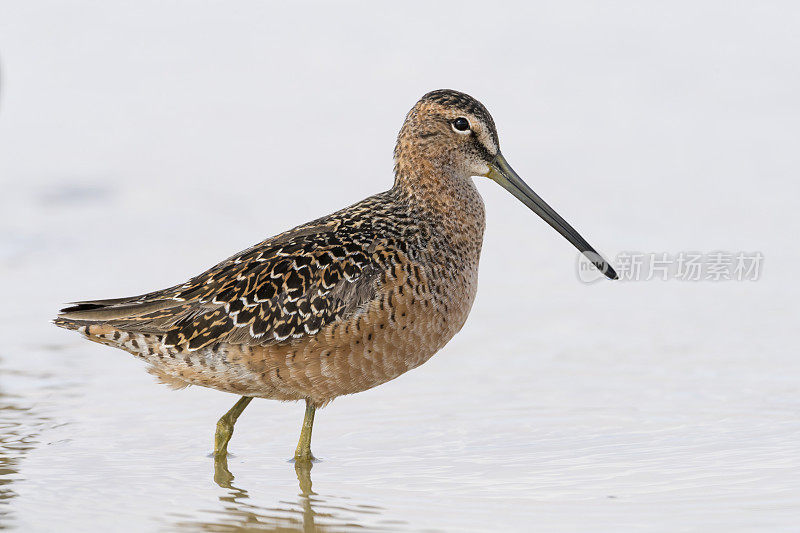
(450, 132)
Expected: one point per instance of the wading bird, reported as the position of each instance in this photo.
(343, 303)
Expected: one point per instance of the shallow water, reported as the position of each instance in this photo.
(140, 147)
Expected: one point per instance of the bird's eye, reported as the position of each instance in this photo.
(461, 125)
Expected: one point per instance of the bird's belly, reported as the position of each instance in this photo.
(400, 329)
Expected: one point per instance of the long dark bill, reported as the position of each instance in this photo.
(501, 172)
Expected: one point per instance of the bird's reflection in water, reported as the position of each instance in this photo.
(309, 513)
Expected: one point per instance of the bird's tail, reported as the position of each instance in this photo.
(129, 314)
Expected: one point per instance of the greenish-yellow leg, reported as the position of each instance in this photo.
(303, 451)
(225, 426)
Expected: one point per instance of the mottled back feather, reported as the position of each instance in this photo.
(284, 288)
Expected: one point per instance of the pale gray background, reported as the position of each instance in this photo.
(141, 142)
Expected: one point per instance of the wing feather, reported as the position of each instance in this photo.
(282, 289)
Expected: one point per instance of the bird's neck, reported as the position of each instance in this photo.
(444, 198)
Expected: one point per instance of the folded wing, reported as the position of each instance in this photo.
(284, 288)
